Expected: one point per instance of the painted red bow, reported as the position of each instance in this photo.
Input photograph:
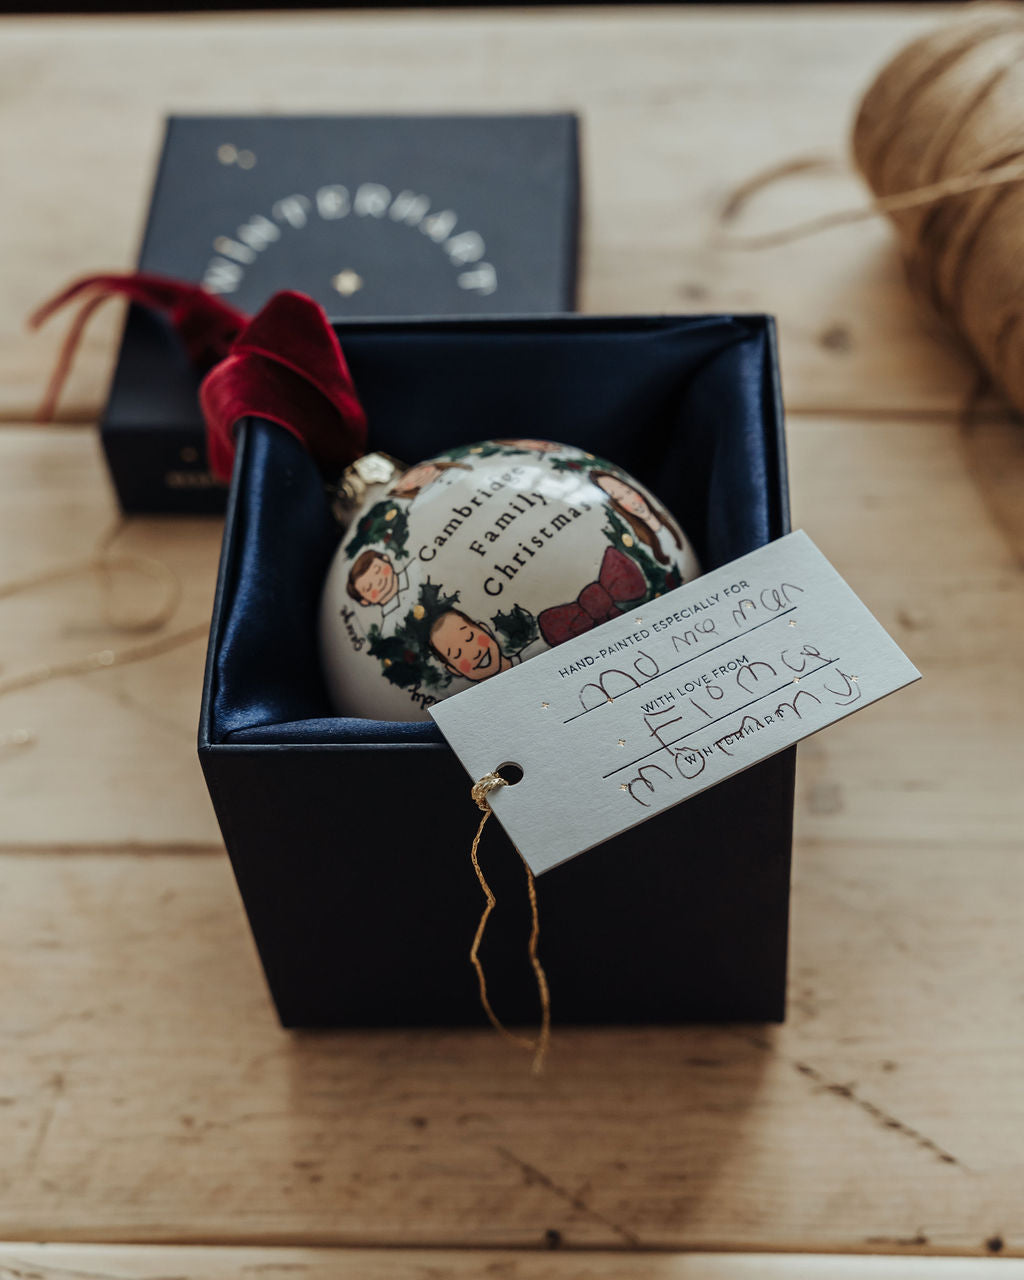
(619, 582)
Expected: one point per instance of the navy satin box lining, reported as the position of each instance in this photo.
(688, 404)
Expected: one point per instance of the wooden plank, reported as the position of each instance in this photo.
(146, 1092)
(918, 518)
(147, 1095)
(78, 1262)
(917, 515)
(678, 108)
(116, 746)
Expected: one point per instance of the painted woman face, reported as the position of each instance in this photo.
(415, 479)
(377, 584)
(629, 499)
(466, 647)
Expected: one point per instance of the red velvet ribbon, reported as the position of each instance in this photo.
(620, 581)
(285, 364)
(207, 325)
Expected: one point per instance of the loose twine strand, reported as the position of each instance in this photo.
(539, 1047)
(939, 138)
(920, 197)
(103, 563)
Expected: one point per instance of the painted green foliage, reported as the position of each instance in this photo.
(591, 460)
(386, 524)
(515, 630)
(660, 578)
(406, 656)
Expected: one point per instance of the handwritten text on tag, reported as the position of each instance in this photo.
(673, 697)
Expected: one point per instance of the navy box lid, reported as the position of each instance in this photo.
(373, 216)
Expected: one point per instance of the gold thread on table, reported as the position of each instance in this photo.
(103, 563)
(539, 1047)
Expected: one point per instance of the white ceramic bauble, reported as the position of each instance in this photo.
(480, 558)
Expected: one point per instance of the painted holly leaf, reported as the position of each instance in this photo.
(394, 659)
(588, 461)
(386, 524)
(433, 602)
(516, 629)
(406, 655)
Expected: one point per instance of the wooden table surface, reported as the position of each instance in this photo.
(154, 1119)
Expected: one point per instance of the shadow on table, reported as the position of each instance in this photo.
(412, 1136)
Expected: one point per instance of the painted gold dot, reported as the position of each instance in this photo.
(418, 611)
(622, 742)
(627, 540)
(390, 515)
(545, 705)
(476, 449)
(347, 282)
(623, 786)
(387, 662)
(796, 679)
(792, 622)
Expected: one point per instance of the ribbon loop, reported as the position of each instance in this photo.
(286, 366)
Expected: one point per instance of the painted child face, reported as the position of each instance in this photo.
(465, 647)
(628, 498)
(378, 583)
(416, 478)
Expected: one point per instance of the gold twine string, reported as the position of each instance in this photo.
(98, 661)
(539, 1046)
(103, 563)
(919, 197)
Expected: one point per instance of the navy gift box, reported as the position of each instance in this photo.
(370, 215)
(350, 838)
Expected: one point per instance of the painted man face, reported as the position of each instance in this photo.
(377, 584)
(466, 647)
(629, 499)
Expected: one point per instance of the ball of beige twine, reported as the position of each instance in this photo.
(939, 137)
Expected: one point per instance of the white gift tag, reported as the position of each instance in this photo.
(649, 709)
